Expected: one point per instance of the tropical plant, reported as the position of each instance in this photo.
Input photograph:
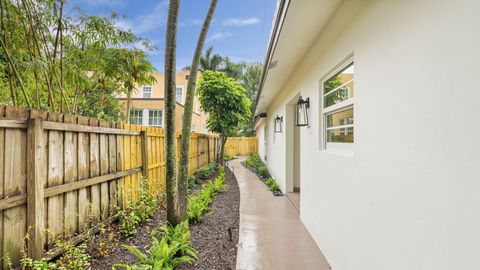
(273, 186)
(172, 250)
(135, 213)
(62, 62)
(263, 172)
(226, 102)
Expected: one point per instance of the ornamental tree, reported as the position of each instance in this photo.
(226, 103)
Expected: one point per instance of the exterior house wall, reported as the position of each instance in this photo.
(156, 101)
(260, 134)
(408, 196)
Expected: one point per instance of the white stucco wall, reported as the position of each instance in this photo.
(260, 134)
(409, 197)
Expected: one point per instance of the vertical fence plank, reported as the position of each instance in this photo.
(144, 152)
(35, 187)
(94, 171)
(112, 166)
(83, 165)
(54, 178)
(71, 175)
(2, 181)
(14, 219)
(120, 188)
(104, 163)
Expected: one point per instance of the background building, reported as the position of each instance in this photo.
(148, 103)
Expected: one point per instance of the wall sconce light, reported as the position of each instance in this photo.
(278, 124)
(302, 112)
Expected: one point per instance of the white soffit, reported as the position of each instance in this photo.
(304, 21)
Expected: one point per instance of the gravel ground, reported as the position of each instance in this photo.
(211, 237)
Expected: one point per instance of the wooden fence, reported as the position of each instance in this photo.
(64, 174)
(241, 146)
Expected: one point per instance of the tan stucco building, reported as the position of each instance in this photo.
(148, 103)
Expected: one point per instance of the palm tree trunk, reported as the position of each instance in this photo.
(187, 116)
(170, 66)
(129, 99)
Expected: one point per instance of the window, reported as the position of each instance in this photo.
(194, 128)
(338, 109)
(179, 92)
(147, 92)
(155, 118)
(136, 117)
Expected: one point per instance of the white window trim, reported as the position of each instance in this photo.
(183, 94)
(151, 90)
(146, 120)
(346, 149)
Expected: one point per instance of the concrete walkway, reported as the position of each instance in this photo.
(271, 233)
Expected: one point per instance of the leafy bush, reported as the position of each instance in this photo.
(74, 258)
(206, 171)
(273, 186)
(192, 181)
(227, 158)
(254, 162)
(138, 212)
(198, 203)
(263, 172)
(173, 250)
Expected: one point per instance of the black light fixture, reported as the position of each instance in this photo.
(302, 112)
(278, 124)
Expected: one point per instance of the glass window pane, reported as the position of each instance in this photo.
(136, 117)
(340, 135)
(340, 118)
(339, 87)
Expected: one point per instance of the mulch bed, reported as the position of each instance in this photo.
(211, 237)
(277, 193)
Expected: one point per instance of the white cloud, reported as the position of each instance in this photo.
(218, 36)
(240, 21)
(145, 22)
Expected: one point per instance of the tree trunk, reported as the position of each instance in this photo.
(221, 146)
(129, 99)
(170, 66)
(187, 116)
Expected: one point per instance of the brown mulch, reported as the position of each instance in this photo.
(210, 237)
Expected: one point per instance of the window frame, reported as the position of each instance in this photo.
(161, 117)
(176, 94)
(138, 115)
(343, 147)
(143, 91)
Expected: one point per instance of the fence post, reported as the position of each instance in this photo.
(208, 149)
(144, 138)
(36, 167)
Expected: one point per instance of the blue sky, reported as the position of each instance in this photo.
(240, 28)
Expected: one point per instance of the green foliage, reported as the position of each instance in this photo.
(225, 100)
(198, 203)
(74, 258)
(254, 162)
(206, 171)
(273, 186)
(192, 181)
(72, 63)
(263, 172)
(138, 212)
(172, 250)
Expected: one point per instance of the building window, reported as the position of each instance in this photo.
(136, 117)
(179, 92)
(194, 128)
(147, 92)
(338, 109)
(155, 118)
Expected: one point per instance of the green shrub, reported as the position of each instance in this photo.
(173, 250)
(273, 186)
(206, 171)
(227, 158)
(198, 203)
(192, 181)
(254, 162)
(138, 212)
(73, 258)
(263, 172)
